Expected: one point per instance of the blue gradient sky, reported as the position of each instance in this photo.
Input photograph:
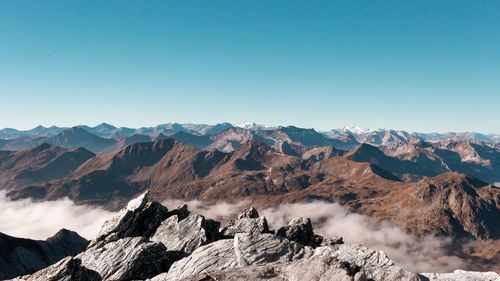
(414, 65)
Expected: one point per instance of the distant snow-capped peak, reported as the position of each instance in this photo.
(246, 125)
(355, 130)
(252, 126)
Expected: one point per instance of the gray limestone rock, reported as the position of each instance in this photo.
(129, 258)
(245, 225)
(186, 235)
(314, 269)
(250, 213)
(376, 265)
(181, 212)
(248, 221)
(138, 218)
(214, 256)
(67, 269)
(245, 249)
(461, 275)
(299, 230)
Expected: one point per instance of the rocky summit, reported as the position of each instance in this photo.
(146, 241)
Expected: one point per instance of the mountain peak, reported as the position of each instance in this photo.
(105, 126)
(246, 125)
(253, 145)
(42, 147)
(355, 129)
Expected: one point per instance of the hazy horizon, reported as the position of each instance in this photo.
(237, 123)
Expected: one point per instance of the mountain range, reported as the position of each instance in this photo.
(442, 188)
(450, 204)
(409, 158)
(374, 137)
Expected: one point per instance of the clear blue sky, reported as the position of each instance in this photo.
(414, 65)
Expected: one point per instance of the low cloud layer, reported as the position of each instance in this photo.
(329, 219)
(40, 220)
(430, 254)
(497, 184)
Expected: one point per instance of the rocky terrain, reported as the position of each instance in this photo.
(146, 241)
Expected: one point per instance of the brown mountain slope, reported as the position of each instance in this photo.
(409, 167)
(21, 143)
(450, 204)
(39, 165)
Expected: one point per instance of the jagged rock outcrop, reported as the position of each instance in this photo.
(67, 269)
(376, 265)
(186, 235)
(245, 249)
(20, 256)
(248, 222)
(138, 218)
(145, 241)
(250, 213)
(313, 269)
(130, 258)
(181, 212)
(299, 230)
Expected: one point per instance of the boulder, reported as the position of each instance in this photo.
(376, 265)
(314, 269)
(329, 241)
(266, 248)
(245, 225)
(181, 212)
(299, 230)
(248, 222)
(67, 269)
(130, 258)
(250, 213)
(214, 256)
(245, 249)
(186, 235)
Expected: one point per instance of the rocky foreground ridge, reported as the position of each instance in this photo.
(19, 256)
(146, 241)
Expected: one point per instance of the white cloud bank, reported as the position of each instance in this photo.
(430, 254)
(40, 220)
